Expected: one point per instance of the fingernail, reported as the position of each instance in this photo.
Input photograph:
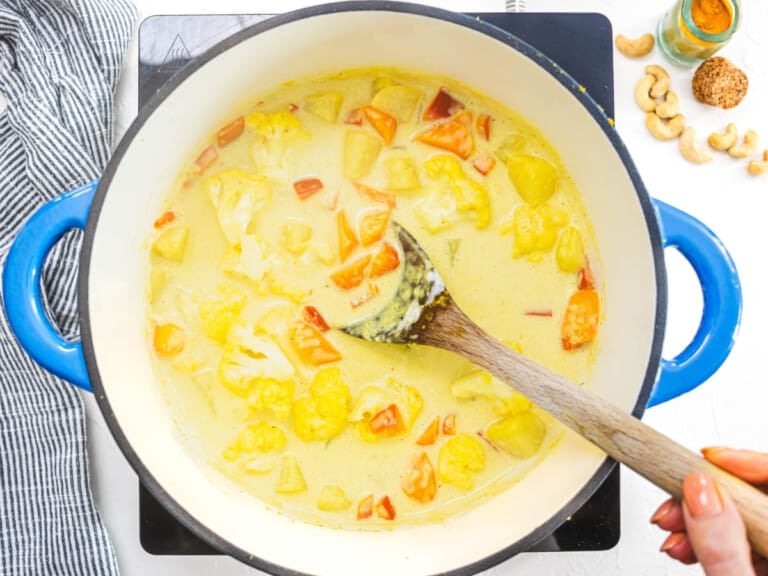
(662, 511)
(709, 450)
(701, 496)
(672, 541)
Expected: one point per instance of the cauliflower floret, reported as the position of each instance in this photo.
(277, 131)
(296, 236)
(471, 196)
(481, 384)
(520, 435)
(291, 479)
(272, 394)
(437, 211)
(219, 311)
(237, 196)
(253, 258)
(260, 436)
(249, 357)
(458, 459)
(323, 413)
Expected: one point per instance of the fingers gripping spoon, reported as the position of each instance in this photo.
(423, 312)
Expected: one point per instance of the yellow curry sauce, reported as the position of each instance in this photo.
(279, 231)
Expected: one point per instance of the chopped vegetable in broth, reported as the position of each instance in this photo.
(280, 232)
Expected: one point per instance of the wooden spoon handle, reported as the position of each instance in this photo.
(622, 436)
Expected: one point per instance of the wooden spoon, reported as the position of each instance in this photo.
(422, 312)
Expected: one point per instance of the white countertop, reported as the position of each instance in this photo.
(728, 409)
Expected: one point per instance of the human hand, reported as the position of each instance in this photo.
(707, 527)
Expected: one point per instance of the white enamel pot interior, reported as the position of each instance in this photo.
(171, 128)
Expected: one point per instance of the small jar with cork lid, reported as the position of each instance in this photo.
(693, 30)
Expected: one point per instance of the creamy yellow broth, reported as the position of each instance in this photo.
(238, 255)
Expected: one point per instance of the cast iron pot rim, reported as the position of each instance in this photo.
(166, 89)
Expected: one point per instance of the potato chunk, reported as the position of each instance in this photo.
(534, 178)
(291, 478)
(171, 243)
(401, 174)
(332, 499)
(397, 101)
(325, 105)
(570, 250)
(534, 229)
(481, 384)
(360, 152)
(519, 435)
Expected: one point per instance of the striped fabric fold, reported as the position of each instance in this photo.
(59, 65)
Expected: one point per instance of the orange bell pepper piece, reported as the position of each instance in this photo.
(384, 124)
(581, 318)
(451, 135)
(419, 481)
(311, 346)
(351, 275)
(347, 239)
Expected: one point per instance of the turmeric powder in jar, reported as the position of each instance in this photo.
(694, 30)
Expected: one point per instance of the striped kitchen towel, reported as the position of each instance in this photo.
(59, 65)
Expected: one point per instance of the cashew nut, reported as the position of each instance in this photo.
(661, 86)
(756, 168)
(642, 93)
(688, 149)
(749, 147)
(635, 48)
(668, 108)
(724, 141)
(664, 130)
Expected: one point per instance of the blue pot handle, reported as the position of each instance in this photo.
(720, 319)
(22, 290)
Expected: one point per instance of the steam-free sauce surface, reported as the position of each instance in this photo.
(279, 231)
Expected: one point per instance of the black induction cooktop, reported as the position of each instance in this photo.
(580, 43)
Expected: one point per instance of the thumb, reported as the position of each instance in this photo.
(715, 528)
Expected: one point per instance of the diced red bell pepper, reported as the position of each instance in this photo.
(385, 509)
(230, 132)
(306, 187)
(376, 195)
(365, 508)
(205, 160)
(442, 106)
(483, 126)
(165, 218)
(484, 162)
(312, 315)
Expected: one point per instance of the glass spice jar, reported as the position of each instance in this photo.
(693, 30)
